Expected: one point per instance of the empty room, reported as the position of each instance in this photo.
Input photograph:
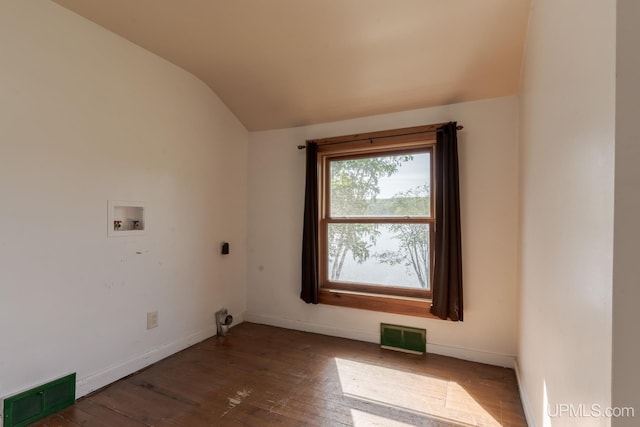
(319, 213)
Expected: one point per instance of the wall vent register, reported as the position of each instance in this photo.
(31, 405)
(403, 338)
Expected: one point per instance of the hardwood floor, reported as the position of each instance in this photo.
(264, 376)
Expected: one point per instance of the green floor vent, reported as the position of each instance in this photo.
(32, 405)
(403, 338)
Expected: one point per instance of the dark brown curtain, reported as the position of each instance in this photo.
(447, 286)
(310, 286)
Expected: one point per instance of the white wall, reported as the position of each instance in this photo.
(87, 117)
(488, 163)
(566, 212)
(626, 268)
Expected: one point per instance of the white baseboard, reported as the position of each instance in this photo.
(528, 414)
(299, 325)
(110, 374)
(479, 356)
(457, 352)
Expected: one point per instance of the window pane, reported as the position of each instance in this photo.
(380, 254)
(381, 186)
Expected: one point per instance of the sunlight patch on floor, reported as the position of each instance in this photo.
(364, 419)
(412, 394)
(461, 406)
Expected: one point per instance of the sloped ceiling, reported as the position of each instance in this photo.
(284, 63)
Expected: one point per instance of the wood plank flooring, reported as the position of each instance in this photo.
(264, 376)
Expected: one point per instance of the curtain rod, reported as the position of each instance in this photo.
(302, 147)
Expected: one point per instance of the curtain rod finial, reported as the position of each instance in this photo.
(459, 127)
(301, 147)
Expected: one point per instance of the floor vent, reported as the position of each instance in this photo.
(403, 338)
(31, 405)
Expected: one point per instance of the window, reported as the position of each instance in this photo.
(376, 223)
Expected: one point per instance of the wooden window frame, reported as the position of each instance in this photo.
(414, 302)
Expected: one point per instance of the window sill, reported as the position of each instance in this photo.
(397, 305)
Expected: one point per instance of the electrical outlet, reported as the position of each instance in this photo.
(152, 319)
